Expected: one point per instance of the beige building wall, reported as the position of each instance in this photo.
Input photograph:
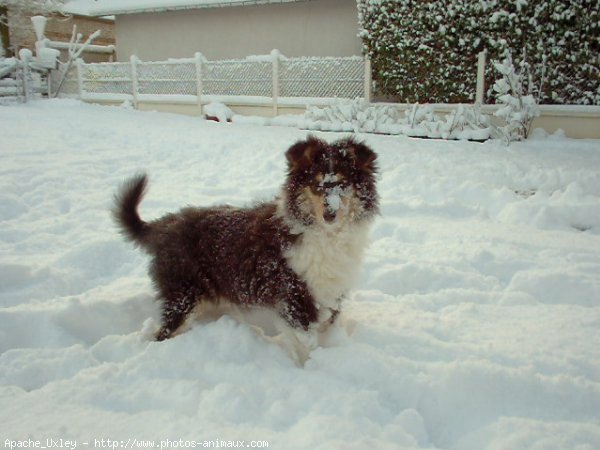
(305, 28)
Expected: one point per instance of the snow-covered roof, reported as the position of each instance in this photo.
(114, 7)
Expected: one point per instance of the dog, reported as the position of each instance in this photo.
(297, 255)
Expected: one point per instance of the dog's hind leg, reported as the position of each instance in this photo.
(175, 309)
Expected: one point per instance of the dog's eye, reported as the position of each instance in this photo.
(324, 183)
(318, 187)
(317, 183)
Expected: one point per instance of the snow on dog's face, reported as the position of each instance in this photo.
(330, 183)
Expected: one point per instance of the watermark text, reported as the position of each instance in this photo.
(113, 444)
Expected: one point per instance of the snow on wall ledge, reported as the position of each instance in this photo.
(474, 325)
(113, 7)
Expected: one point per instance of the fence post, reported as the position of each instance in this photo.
(79, 69)
(199, 57)
(367, 87)
(481, 57)
(26, 71)
(25, 57)
(275, 54)
(134, 80)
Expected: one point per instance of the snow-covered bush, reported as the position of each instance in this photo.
(466, 122)
(352, 115)
(463, 122)
(427, 51)
(514, 91)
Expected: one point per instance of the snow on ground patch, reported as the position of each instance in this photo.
(475, 324)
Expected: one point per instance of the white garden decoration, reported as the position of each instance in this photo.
(32, 69)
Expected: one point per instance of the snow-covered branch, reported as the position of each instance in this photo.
(75, 49)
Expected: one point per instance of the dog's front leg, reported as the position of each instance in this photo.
(299, 335)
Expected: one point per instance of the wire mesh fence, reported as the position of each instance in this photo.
(322, 77)
(106, 78)
(268, 76)
(164, 78)
(248, 78)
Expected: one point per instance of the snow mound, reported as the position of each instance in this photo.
(219, 111)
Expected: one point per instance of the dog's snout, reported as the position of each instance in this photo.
(332, 206)
(328, 215)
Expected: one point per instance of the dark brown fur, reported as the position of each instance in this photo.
(209, 254)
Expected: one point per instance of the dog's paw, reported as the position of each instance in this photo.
(149, 329)
(308, 339)
(334, 336)
(290, 345)
(298, 344)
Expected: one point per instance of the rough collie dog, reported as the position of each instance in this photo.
(298, 255)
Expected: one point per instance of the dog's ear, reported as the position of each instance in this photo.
(363, 156)
(302, 153)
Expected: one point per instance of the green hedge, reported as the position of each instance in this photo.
(426, 51)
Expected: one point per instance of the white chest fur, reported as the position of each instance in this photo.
(328, 259)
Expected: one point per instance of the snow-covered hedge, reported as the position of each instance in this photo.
(427, 51)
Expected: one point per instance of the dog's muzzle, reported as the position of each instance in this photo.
(333, 203)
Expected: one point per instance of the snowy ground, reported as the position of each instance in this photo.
(476, 324)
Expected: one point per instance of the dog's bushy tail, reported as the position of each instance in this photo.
(125, 211)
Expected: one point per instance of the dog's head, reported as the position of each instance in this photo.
(331, 183)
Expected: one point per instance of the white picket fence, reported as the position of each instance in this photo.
(258, 80)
